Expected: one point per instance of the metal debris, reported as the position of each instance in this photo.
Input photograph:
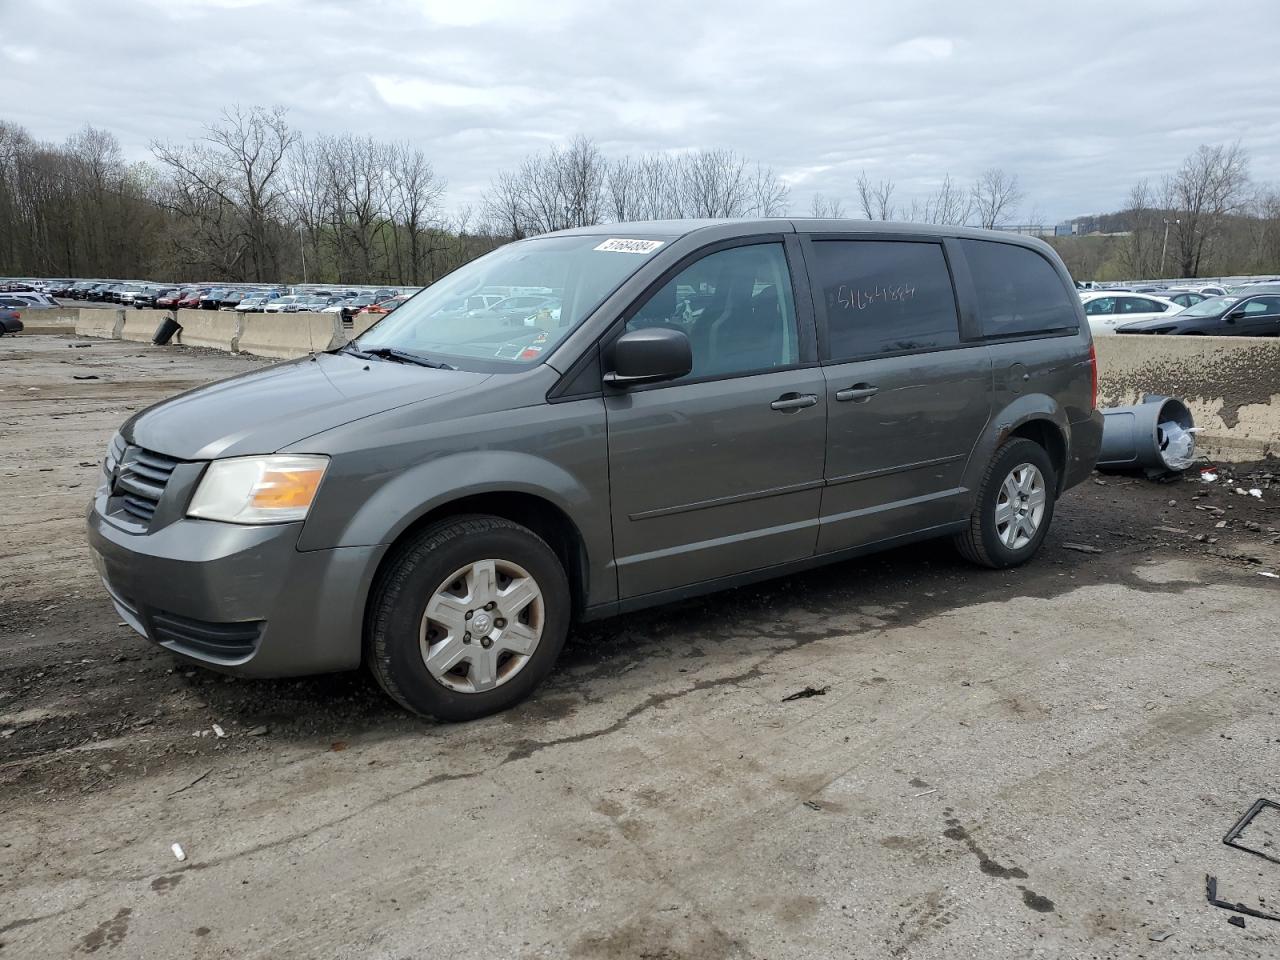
(806, 693)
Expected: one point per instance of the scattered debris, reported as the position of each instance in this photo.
(1081, 548)
(1160, 936)
(1232, 839)
(1236, 922)
(926, 793)
(1268, 574)
(1170, 529)
(219, 732)
(85, 376)
(1211, 894)
(338, 746)
(178, 852)
(806, 693)
(1208, 475)
(813, 804)
(261, 731)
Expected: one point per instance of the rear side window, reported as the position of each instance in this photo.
(885, 297)
(1018, 291)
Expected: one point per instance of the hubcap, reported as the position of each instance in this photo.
(482, 625)
(1020, 506)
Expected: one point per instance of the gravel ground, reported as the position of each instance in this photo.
(1031, 763)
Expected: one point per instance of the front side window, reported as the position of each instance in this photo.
(1019, 291)
(510, 308)
(1260, 306)
(885, 297)
(737, 308)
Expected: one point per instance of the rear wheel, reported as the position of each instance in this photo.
(468, 618)
(1014, 507)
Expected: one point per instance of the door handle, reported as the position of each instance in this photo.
(794, 401)
(858, 392)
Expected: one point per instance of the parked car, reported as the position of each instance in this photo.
(1251, 316)
(212, 298)
(255, 303)
(151, 297)
(516, 309)
(27, 301)
(441, 498)
(1106, 309)
(285, 304)
(192, 297)
(126, 293)
(10, 321)
(383, 307)
(1184, 298)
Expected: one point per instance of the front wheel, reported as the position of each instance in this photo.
(468, 618)
(1014, 507)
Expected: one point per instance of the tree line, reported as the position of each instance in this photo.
(252, 199)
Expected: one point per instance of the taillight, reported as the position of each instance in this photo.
(1093, 375)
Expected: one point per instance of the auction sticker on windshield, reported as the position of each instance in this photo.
(616, 245)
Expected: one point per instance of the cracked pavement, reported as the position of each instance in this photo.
(1038, 762)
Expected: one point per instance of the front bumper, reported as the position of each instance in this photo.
(240, 599)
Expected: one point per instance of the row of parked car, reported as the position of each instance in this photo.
(1247, 309)
(239, 298)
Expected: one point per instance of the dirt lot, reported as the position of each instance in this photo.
(1039, 763)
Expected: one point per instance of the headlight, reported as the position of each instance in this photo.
(258, 489)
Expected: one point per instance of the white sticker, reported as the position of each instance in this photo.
(616, 245)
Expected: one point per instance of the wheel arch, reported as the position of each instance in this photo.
(1035, 417)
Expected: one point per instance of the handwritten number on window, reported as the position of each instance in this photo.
(860, 298)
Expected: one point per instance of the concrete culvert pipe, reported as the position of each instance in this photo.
(1156, 436)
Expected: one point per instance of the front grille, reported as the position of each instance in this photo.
(229, 640)
(140, 481)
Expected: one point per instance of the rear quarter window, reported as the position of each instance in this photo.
(885, 297)
(1019, 292)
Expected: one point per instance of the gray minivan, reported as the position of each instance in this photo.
(694, 405)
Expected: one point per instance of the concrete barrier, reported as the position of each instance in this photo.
(363, 321)
(217, 329)
(288, 335)
(1230, 384)
(100, 322)
(56, 320)
(140, 325)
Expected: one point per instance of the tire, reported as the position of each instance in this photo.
(437, 571)
(986, 541)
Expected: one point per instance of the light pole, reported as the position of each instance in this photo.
(302, 249)
(1164, 249)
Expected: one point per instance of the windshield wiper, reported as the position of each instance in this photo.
(398, 356)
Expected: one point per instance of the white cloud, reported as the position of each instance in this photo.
(921, 50)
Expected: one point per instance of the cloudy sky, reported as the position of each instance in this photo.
(1079, 99)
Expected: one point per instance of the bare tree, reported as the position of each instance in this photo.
(949, 205)
(875, 199)
(824, 208)
(240, 162)
(415, 194)
(994, 198)
(1209, 187)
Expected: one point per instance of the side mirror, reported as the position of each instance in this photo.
(650, 355)
(1235, 315)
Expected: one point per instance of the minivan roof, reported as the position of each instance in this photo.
(728, 228)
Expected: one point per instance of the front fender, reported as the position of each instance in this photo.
(420, 489)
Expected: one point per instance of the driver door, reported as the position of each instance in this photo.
(720, 472)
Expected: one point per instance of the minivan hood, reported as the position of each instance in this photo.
(266, 410)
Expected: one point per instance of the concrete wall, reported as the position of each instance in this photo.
(217, 329)
(289, 335)
(55, 320)
(99, 322)
(1230, 384)
(140, 325)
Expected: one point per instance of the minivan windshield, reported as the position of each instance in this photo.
(513, 305)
